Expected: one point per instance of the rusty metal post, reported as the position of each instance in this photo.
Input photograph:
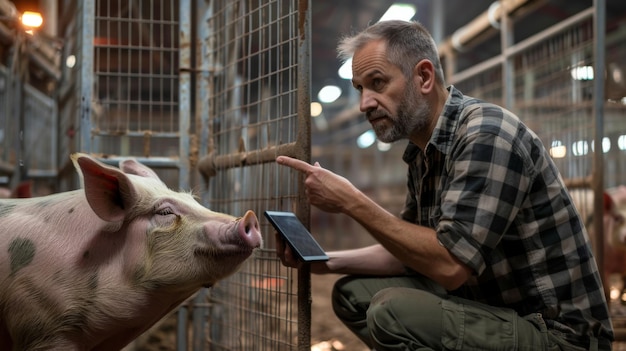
(303, 141)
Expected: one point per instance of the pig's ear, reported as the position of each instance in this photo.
(131, 166)
(109, 192)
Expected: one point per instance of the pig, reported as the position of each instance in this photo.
(22, 190)
(614, 236)
(91, 269)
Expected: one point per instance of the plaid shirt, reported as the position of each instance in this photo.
(489, 188)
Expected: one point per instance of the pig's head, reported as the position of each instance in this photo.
(171, 239)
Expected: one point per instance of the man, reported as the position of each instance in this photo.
(489, 252)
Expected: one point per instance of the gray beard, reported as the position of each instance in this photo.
(413, 115)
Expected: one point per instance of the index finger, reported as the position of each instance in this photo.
(294, 163)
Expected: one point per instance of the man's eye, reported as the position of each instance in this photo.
(377, 83)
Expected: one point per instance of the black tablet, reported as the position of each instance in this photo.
(297, 236)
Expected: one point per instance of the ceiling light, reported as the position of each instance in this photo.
(399, 11)
(345, 71)
(580, 148)
(316, 109)
(557, 149)
(366, 139)
(31, 19)
(329, 94)
(606, 145)
(70, 61)
(621, 142)
(383, 146)
(582, 73)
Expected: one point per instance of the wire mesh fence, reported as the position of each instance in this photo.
(135, 78)
(255, 65)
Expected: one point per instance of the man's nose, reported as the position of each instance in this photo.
(368, 101)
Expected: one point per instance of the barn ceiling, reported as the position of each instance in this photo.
(332, 19)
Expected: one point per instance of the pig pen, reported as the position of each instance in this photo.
(204, 105)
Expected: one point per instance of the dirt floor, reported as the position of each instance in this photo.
(325, 326)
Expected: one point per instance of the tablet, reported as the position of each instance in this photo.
(297, 236)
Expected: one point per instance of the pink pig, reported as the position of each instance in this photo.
(92, 269)
(614, 236)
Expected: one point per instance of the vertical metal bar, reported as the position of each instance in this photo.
(439, 21)
(599, 23)
(506, 40)
(181, 328)
(203, 12)
(86, 74)
(184, 116)
(185, 89)
(17, 98)
(206, 65)
(304, 143)
(200, 315)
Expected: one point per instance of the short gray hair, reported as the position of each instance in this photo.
(408, 43)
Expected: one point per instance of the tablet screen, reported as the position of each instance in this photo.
(296, 235)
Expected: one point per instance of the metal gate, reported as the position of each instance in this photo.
(126, 95)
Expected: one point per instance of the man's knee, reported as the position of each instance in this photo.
(405, 306)
(405, 316)
(344, 301)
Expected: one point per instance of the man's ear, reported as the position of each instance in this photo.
(424, 76)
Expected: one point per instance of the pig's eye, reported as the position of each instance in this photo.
(165, 211)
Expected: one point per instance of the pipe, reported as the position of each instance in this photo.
(464, 35)
(210, 164)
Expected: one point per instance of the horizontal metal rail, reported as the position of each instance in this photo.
(211, 163)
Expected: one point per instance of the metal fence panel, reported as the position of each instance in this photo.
(28, 130)
(40, 134)
(128, 55)
(553, 93)
(255, 76)
(551, 97)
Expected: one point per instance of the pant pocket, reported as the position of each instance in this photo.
(471, 327)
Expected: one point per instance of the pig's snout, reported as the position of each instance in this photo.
(248, 228)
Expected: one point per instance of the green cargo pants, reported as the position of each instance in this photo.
(413, 313)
